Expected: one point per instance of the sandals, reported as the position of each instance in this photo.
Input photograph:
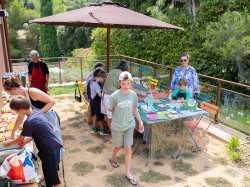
(114, 164)
(133, 181)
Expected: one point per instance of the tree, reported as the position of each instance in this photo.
(19, 14)
(49, 45)
(230, 38)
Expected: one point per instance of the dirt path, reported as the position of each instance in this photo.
(86, 159)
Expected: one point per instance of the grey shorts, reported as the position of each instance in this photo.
(123, 138)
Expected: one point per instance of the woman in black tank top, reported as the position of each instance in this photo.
(38, 98)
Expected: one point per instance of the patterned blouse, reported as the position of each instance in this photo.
(191, 77)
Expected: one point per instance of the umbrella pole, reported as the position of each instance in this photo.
(108, 48)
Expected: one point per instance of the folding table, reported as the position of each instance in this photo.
(167, 135)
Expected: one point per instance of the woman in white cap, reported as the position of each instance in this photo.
(38, 72)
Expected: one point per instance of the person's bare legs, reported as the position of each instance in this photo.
(90, 120)
(128, 153)
(115, 151)
(101, 124)
(109, 125)
(94, 118)
(58, 185)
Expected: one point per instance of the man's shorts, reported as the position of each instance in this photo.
(104, 106)
(50, 164)
(123, 138)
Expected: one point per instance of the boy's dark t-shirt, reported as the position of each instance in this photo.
(37, 126)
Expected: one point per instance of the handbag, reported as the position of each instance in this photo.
(78, 98)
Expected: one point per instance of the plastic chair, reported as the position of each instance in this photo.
(164, 88)
(195, 126)
(143, 72)
(83, 93)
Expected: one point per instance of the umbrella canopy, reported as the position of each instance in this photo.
(105, 15)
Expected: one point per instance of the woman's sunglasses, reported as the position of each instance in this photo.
(184, 60)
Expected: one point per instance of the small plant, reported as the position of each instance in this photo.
(233, 147)
(233, 144)
(236, 156)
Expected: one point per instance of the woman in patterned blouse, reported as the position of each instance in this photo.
(187, 72)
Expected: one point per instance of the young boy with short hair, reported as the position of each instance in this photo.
(181, 93)
(37, 127)
(95, 103)
(123, 105)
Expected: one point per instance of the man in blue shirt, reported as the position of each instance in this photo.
(37, 127)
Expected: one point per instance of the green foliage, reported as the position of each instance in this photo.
(19, 15)
(229, 37)
(61, 90)
(165, 46)
(49, 46)
(70, 38)
(233, 143)
(233, 147)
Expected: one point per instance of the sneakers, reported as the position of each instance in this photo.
(94, 130)
(104, 132)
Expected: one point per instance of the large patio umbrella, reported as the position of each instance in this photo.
(105, 15)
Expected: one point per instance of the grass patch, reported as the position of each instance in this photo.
(59, 90)
(218, 182)
(117, 180)
(188, 155)
(231, 172)
(205, 168)
(136, 170)
(68, 137)
(97, 149)
(102, 167)
(74, 150)
(62, 97)
(181, 166)
(246, 181)
(82, 168)
(86, 142)
(221, 161)
(153, 177)
(121, 159)
(178, 179)
(70, 108)
(158, 163)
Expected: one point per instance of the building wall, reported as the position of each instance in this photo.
(4, 63)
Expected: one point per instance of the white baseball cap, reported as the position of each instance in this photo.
(125, 75)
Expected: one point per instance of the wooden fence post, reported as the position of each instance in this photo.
(219, 86)
(60, 71)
